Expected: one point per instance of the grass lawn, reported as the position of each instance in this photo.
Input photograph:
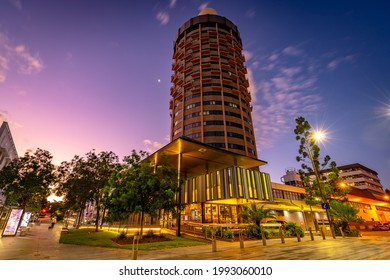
(102, 238)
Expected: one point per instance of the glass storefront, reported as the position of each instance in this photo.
(211, 213)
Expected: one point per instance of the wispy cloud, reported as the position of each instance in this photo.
(29, 63)
(283, 89)
(203, 6)
(3, 116)
(3, 68)
(163, 14)
(152, 146)
(251, 13)
(337, 61)
(17, 56)
(6, 116)
(162, 17)
(292, 50)
(172, 3)
(17, 4)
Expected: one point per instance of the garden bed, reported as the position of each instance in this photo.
(145, 239)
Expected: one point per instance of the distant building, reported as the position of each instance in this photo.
(361, 177)
(366, 193)
(354, 175)
(292, 178)
(7, 150)
(7, 147)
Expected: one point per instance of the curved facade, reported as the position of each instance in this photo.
(210, 99)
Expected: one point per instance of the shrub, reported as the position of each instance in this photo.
(346, 229)
(292, 228)
(206, 230)
(228, 234)
(150, 233)
(254, 231)
(273, 233)
(354, 233)
(122, 235)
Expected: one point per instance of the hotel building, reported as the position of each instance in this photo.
(212, 140)
(210, 98)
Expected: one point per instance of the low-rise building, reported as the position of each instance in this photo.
(366, 193)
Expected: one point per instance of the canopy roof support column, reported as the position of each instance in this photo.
(179, 169)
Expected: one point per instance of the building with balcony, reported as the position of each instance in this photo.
(366, 193)
(361, 177)
(212, 139)
(210, 101)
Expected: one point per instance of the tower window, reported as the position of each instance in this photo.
(213, 123)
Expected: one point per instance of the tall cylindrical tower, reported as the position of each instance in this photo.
(210, 99)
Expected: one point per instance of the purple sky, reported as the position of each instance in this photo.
(83, 75)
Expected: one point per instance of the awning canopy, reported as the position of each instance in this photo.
(197, 157)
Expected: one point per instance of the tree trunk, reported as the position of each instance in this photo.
(79, 219)
(104, 213)
(97, 215)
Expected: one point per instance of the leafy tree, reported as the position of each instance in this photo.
(84, 178)
(25, 181)
(140, 188)
(70, 185)
(56, 208)
(326, 186)
(331, 181)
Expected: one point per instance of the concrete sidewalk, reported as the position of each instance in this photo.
(41, 243)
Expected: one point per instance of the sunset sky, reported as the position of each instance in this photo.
(80, 75)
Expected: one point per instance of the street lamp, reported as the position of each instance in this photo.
(318, 135)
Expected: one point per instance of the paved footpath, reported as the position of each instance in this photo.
(40, 243)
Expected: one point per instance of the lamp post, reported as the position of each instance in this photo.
(317, 136)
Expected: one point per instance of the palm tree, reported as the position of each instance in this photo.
(255, 214)
(343, 213)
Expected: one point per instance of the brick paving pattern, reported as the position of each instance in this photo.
(40, 243)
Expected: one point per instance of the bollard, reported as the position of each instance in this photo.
(213, 241)
(281, 235)
(263, 236)
(135, 247)
(241, 239)
(342, 232)
(323, 233)
(297, 234)
(332, 231)
(311, 234)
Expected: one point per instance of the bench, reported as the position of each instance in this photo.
(64, 230)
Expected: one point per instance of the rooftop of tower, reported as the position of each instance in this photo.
(208, 11)
(205, 16)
